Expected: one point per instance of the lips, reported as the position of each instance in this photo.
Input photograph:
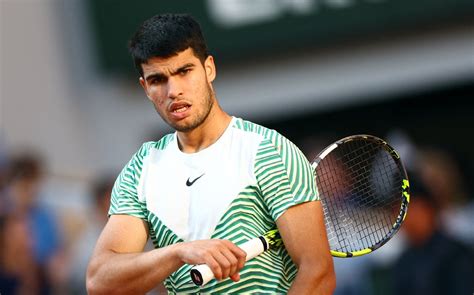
(179, 110)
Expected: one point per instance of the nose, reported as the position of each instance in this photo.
(174, 88)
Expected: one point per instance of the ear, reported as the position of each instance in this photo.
(210, 68)
(145, 86)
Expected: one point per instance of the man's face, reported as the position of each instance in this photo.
(180, 88)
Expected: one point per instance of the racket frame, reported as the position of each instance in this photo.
(404, 196)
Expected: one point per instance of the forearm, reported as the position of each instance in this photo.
(131, 273)
(314, 279)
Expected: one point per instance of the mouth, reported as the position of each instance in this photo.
(179, 109)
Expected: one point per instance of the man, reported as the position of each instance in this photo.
(433, 262)
(25, 175)
(216, 182)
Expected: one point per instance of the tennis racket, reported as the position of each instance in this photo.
(364, 191)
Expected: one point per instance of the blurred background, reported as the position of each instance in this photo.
(72, 114)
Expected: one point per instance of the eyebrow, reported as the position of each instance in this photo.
(161, 76)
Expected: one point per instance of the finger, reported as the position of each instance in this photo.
(240, 254)
(215, 267)
(235, 277)
(234, 263)
(241, 262)
(224, 264)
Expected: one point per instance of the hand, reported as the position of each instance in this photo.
(223, 257)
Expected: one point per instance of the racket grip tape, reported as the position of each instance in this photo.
(201, 274)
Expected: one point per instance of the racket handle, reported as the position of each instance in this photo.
(201, 274)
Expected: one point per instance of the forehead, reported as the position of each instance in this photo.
(167, 64)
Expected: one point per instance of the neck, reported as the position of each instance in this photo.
(206, 134)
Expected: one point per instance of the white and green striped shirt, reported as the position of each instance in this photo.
(234, 189)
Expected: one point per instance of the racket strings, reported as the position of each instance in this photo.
(359, 183)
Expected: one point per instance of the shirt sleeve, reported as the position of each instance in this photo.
(124, 199)
(284, 175)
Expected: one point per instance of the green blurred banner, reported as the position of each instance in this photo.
(250, 29)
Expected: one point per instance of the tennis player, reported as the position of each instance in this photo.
(216, 182)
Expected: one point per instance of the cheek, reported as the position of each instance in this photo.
(200, 87)
(156, 97)
(159, 102)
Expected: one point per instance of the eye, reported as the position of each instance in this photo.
(157, 80)
(183, 72)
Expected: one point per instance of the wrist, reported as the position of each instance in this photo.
(176, 251)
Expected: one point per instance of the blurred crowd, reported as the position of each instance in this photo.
(40, 253)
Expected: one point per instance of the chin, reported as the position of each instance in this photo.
(183, 126)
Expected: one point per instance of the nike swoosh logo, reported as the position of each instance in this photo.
(189, 183)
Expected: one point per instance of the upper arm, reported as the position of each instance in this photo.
(304, 235)
(125, 197)
(284, 176)
(126, 230)
(122, 234)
